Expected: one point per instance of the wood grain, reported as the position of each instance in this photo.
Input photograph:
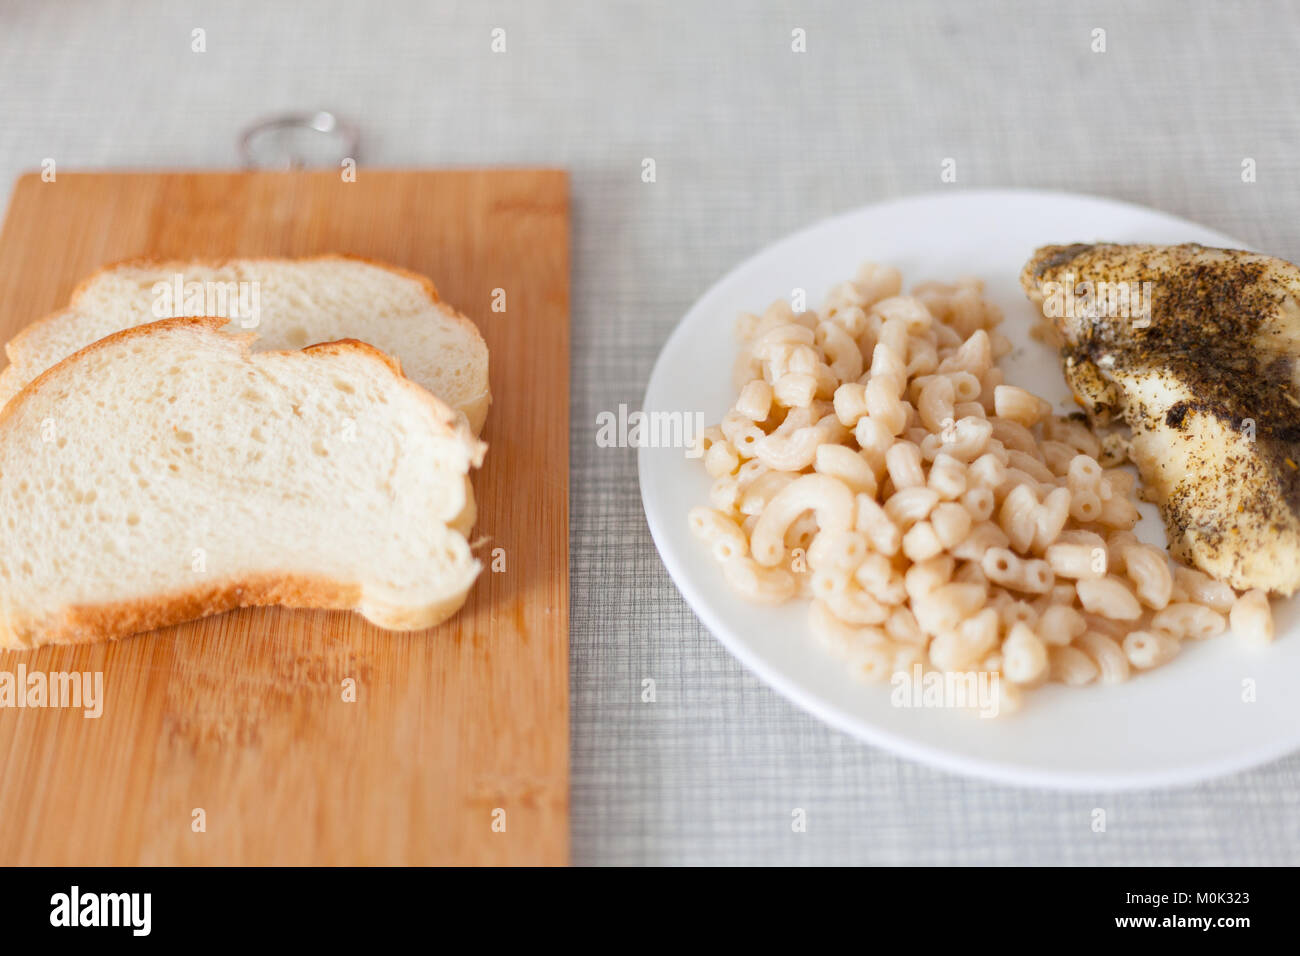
(242, 715)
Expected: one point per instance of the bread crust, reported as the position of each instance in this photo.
(475, 410)
(88, 623)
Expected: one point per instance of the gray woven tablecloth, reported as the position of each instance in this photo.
(751, 140)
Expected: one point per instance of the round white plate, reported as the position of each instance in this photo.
(1180, 723)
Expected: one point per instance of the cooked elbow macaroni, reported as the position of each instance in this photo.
(876, 461)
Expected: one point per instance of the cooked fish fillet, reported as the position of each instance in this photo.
(1202, 366)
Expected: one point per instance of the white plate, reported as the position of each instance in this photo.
(1180, 723)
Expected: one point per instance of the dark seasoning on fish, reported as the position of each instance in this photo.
(1207, 384)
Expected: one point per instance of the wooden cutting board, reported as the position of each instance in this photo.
(243, 716)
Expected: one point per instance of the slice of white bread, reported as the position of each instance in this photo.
(166, 473)
(298, 302)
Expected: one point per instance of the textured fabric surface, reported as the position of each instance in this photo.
(751, 141)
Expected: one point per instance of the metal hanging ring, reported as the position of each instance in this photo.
(322, 122)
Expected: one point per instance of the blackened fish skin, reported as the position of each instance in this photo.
(1206, 379)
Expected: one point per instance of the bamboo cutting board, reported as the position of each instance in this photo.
(455, 750)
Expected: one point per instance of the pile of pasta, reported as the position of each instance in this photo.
(876, 462)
